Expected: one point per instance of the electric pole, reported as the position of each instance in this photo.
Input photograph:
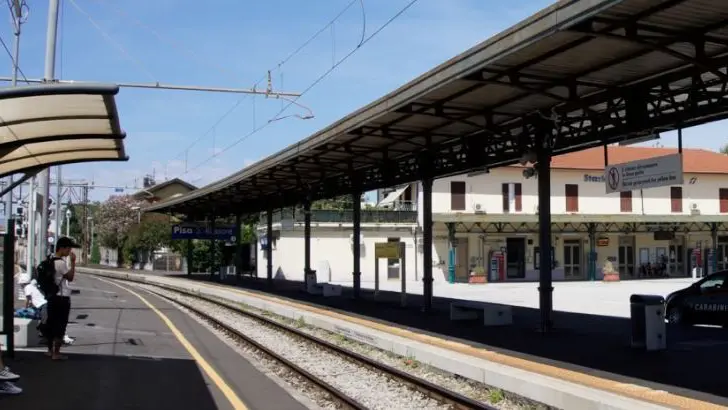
(84, 251)
(44, 177)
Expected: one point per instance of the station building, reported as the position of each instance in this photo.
(486, 225)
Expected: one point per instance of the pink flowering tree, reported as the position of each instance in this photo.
(114, 220)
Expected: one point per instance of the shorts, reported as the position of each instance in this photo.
(59, 309)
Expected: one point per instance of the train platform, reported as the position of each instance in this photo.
(584, 349)
(134, 350)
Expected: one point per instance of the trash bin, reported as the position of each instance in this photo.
(311, 281)
(648, 322)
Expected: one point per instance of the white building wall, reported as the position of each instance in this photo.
(332, 253)
(485, 189)
(700, 193)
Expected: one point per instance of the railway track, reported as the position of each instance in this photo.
(442, 395)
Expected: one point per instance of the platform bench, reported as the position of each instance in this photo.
(26, 332)
(493, 314)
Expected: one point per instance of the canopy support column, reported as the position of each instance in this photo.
(306, 241)
(543, 174)
(269, 247)
(356, 243)
(427, 244)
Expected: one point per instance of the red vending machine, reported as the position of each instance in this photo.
(497, 266)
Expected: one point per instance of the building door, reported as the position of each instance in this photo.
(572, 259)
(461, 261)
(721, 255)
(393, 265)
(625, 257)
(515, 258)
(676, 265)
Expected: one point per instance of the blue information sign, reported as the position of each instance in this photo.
(191, 231)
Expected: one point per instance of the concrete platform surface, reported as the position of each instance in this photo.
(597, 298)
(126, 357)
(586, 363)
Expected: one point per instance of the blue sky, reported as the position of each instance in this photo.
(226, 43)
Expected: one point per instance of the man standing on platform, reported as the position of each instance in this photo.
(59, 305)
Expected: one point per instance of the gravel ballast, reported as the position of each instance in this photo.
(369, 387)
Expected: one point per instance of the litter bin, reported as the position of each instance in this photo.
(648, 322)
(311, 281)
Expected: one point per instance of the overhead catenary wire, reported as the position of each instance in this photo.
(268, 75)
(113, 42)
(312, 85)
(174, 44)
(16, 65)
(12, 59)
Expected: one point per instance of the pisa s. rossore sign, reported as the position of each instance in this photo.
(202, 231)
(654, 172)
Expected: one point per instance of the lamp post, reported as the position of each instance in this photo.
(68, 222)
(91, 221)
(139, 213)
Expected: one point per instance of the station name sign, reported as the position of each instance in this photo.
(202, 231)
(647, 173)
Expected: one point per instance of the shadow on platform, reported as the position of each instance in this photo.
(695, 358)
(98, 382)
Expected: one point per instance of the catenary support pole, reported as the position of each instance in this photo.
(32, 237)
(59, 199)
(44, 177)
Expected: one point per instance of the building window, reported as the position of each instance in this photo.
(457, 195)
(723, 198)
(572, 197)
(625, 201)
(512, 193)
(676, 199)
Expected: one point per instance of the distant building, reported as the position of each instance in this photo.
(162, 191)
(486, 223)
(497, 212)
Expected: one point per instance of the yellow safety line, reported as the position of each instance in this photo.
(229, 394)
(642, 393)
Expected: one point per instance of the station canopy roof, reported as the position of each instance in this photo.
(56, 124)
(578, 74)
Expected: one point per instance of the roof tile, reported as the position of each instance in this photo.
(695, 161)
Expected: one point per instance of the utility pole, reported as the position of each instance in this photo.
(84, 251)
(44, 176)
(59, 197)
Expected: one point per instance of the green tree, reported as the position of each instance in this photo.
(95, 254)
(724, 149)
(76, 228)
(248, 233)
(113, 221)
(338, 203)
(152, 232)
(201, 255)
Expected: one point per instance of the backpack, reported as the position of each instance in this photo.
(46, 276)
